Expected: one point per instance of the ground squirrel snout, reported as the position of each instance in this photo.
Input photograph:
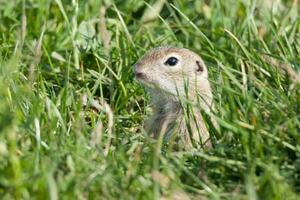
(171, 74)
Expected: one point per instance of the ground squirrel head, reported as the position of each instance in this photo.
(172, 70)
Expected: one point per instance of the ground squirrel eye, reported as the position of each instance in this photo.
(171, 61)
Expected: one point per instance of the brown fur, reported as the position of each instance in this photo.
(166, 85)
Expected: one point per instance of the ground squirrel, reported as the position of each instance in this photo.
(173, 75)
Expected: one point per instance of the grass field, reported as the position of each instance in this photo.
(71, 111)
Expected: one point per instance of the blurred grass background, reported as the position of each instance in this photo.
(71, 112)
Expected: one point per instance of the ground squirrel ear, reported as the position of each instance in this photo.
(199, 68)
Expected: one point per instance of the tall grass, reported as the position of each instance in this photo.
(71, 112)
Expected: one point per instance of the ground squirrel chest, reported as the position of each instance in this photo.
(174, 76)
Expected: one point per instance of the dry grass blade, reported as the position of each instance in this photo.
(37, 54)
(290, 72)
(104, 107)
(96, 135)
(152, 12)
(104, 34)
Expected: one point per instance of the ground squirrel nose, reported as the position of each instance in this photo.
(138, 73)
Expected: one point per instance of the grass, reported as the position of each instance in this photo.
(71, 112)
